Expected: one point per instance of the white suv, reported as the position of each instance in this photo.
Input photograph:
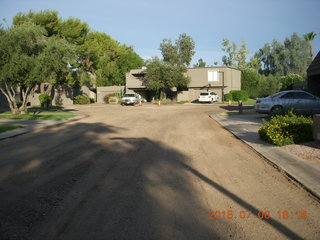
(130, 99)
(209, 97)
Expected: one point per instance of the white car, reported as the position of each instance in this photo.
(130, 99)
(208, 97)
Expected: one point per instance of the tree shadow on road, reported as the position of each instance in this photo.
(84, 181)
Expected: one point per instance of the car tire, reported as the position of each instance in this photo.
(276, 110)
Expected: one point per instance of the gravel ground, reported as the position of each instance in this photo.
(309, 151)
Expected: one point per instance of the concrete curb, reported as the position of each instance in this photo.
(52, 123)
(300, 171)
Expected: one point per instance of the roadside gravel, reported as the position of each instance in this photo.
(309, 151)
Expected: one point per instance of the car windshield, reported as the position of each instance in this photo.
(129, 95)
(204, 94)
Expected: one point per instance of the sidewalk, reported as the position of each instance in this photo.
(31, 125)
(246, 126)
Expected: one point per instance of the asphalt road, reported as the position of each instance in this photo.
(147, 172)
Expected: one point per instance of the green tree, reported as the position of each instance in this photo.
(180, 53)
(47, 18)
(200, 63)
(282, 59)
(28, 58)
(73, 30)
(255, 62)
(270, 84)
(288, 81)
(251, 82)
(105, 61)
(162, 76)
(309, 38)
(231, 51)
(241, 55)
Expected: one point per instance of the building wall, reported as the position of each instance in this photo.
(224, 79)
(227, 79)
(314, 85)
(103, 91)
(62, 96)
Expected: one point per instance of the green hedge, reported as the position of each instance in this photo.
(238, 95)
(287, 129)
(45, 100)
(228, 97)
(81, 99)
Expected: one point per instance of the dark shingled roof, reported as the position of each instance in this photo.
(314, 68)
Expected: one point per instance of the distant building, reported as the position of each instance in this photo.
(313, 73)
(220, 80)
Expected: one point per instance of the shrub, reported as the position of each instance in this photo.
(92, 100)
(270, 85)
(288, 81)
(162, 101)
(45, 100)
(228, 97)
(81, 99)
(166, 101)
(287, 129)
(251, 82)
(183, 102)
(110, 98)
(238, 95)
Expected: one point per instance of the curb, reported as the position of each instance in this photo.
(21, 131)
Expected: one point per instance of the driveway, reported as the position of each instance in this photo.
(149, 172)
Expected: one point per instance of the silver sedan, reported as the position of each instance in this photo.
(302, 102)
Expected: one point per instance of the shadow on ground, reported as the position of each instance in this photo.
(87, 182)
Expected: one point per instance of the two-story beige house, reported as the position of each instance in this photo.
(220, 80)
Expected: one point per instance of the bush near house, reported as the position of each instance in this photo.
(45, 100)
(111, 99)
(287, 129)
(239, 95)
(228, 97)
(162, 101)
(81, 99)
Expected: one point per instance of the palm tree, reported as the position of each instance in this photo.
(309, 37)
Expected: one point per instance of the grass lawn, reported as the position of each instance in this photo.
(8, 127)
(250, 101)
(245, 112)
(40, 114)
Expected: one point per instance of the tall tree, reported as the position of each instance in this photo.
(230, 50)
(185, 46)
(105, 60)
(162, 76)
(28, 58)
(241, 55)
(309, 38)
(282, 59)
(74, 30)
(169, 51)
(180, 53)
(47, 18)
(200, 63)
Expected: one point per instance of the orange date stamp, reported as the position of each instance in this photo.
(263, 215)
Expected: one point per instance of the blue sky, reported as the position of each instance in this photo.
(144, 23)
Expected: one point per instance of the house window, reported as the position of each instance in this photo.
(213, 76)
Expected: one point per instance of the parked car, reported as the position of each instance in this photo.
(130, 99)
(300, 101)
(209, 97)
